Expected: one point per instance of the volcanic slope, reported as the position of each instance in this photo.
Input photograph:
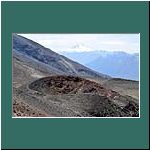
(46, 84)
(123, 86)
(38, 56)
(68, 96)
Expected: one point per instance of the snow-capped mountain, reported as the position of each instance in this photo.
(80, 47)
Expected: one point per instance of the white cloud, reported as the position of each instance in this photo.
(88, 42)
(112, 42)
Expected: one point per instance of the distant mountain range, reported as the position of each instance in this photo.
(115, 64)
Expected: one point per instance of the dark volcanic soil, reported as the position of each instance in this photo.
(48, 84)
(21, 109)
(68, 96)
(70, 85)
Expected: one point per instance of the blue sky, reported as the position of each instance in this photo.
(129, 43)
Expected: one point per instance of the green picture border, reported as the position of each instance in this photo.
(74, 17)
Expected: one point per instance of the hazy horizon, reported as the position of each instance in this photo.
(129, 43)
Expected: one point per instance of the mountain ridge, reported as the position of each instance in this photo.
(115, 64)
(53, 59)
